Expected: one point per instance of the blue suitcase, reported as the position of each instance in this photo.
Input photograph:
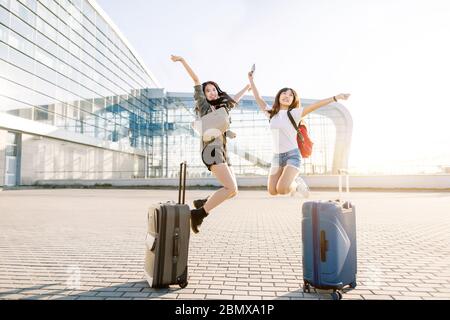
(329, 246)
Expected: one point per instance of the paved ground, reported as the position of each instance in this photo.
(89, 244)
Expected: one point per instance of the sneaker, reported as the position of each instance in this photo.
(302, 188)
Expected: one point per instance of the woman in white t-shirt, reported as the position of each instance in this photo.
(286, 161)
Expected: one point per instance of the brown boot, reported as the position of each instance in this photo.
(197, 216)
(199, 203)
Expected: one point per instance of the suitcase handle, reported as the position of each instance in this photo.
(323, 246)
(176, 241)
(182, 184)
(347, 183)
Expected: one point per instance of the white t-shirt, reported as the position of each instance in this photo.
(284, 135)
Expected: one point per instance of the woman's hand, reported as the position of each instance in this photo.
(261, 103)
(187, 67)
(250, 76)
(342, 96)
(176, 58)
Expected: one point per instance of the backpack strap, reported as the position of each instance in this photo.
(296, 126)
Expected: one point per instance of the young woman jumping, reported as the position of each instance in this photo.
(286, 161)
(214, 153)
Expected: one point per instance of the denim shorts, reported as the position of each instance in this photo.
(291, 158)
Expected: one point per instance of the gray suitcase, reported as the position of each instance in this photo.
(167, 241)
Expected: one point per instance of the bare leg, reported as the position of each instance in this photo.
(286, 183)
(234, 178)
(272, 181)
(225, 176)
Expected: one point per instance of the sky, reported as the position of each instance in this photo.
(392, 56)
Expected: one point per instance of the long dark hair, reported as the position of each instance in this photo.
(223, 96)
(276, 105)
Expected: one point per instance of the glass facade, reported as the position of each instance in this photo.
(63, 65)
(250, 152)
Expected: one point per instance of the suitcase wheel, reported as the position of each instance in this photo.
(353, 285)
(183, 285)
(336, 295)
(306, 288)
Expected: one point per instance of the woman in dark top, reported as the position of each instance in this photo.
(214, 153)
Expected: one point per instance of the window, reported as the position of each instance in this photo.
(3, 51)
(3, 33)
(72, 112)
(65, 69)
(89, 11)
(46, 29)
(4, 3)
(21, 60)
(46, 73)
(63, 15)
(43, 115)
(48, 93)
(21, 27)
(45, 14)
(62, 94)
(89, 38)
(31, 4)
(73, 48)
(4, 17)
(43, 57)
(11, 151)
(70, 124)
(23, 12)
(76, 15)
(51, 5)
(45, 43)
(25, 113)
(19, 76)
(86, 105)
(63, 29)
(77, 4)
(21, 44)
(60, 121)
(62, 41)
(101, 24)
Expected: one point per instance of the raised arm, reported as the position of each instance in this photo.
(187, 67)
(261, 103)
(313, 107)
(238, 96)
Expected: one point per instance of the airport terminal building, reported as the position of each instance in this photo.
(77, 102)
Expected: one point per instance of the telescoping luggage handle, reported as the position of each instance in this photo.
(347, 187)
(182, 185)
(346, 203)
